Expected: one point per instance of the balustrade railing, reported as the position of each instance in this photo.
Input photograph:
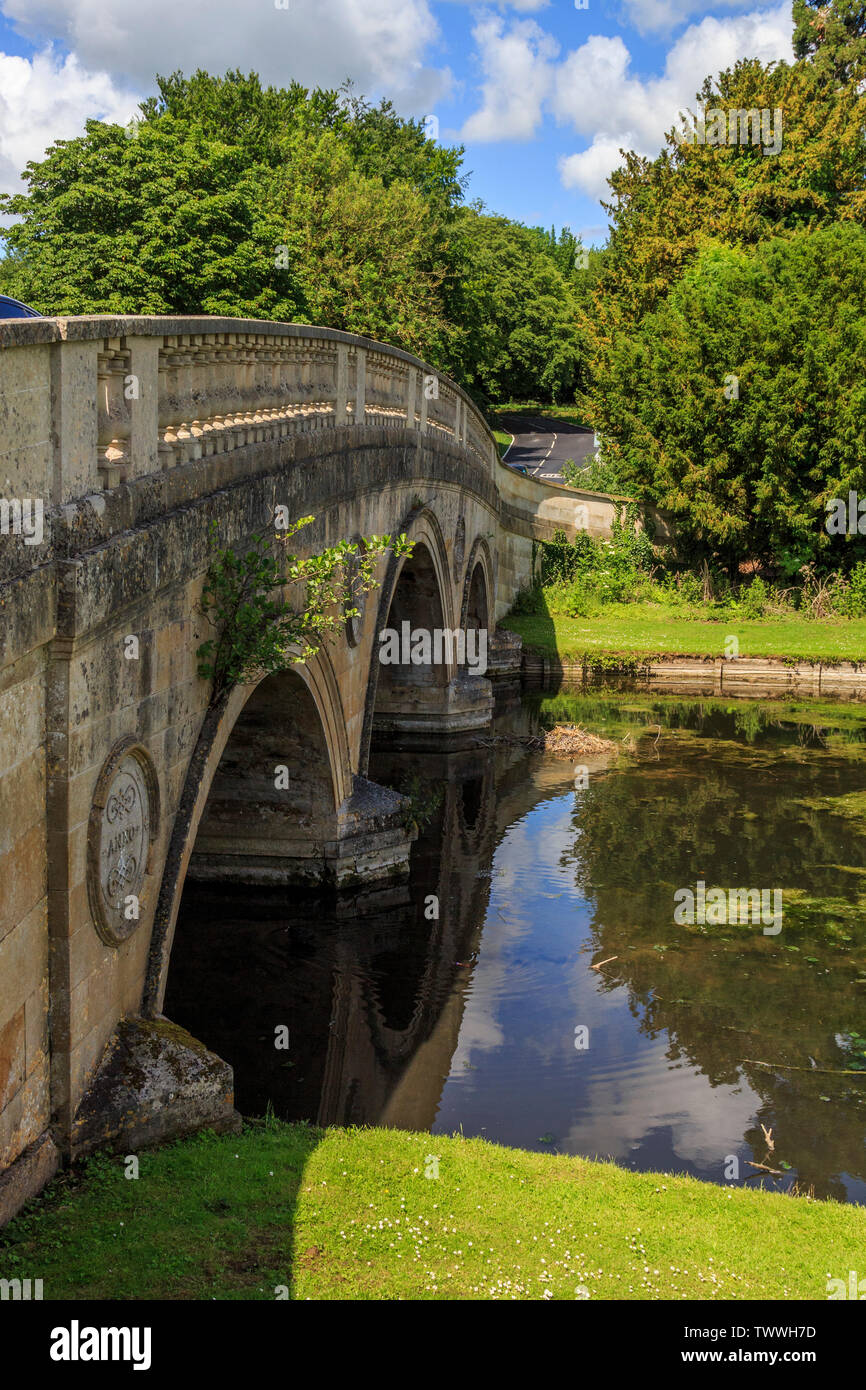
(89, 403)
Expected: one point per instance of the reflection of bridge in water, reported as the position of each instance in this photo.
(361, 979)
(373, 985)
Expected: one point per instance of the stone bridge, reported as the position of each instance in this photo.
(124, 444)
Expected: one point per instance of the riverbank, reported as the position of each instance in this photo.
(384, 1214)
(743, 678)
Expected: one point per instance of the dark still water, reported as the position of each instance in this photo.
(699, 1037)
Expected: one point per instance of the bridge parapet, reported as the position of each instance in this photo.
(89, 403)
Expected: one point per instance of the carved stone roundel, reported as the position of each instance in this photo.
(122, 824)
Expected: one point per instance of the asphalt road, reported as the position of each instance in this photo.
(542, 446)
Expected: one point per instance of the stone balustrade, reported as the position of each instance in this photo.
(89, 403)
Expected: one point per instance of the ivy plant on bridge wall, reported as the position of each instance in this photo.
(270, 609)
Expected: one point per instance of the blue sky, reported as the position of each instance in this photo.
(541, 93)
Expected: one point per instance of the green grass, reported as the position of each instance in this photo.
(646, 629)
(503, 439)
(538, 411)
(342, 1214)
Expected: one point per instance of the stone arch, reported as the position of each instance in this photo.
(421, 526)
(463, 896)
(477, 608)
(317, 680)
(478, 587)
(475, 807)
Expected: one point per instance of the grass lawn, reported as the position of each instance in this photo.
(537, 411)
(341, 1214)
(503, 439)
(648, 629)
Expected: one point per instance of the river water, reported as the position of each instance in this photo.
(465, 998)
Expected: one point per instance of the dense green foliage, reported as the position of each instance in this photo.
(834, 36)
(739, 402)
(513, 299)
(315, 207)
(606, 571)
(730, 261)
(600, 473)
(580, 578)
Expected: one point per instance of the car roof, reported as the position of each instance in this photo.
(13, 309)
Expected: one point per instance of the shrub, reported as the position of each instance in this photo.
(575, 577)
(580, 604)
(608, 571)
(529, 601)
(852, 602)
(685, 588)
(754, 599)
(562, 561)
(270, 609)
(822, 595)
(597, 474)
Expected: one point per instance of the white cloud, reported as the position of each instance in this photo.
(588, 170)
(516, 63)
(594, 90)
(661, 16)
(47, 98)
(117, 47)
(381, 44)
(597, 95)
(715, 44)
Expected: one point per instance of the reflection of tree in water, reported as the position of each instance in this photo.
(755, 722)
(724, 994)
(425, 797)
(717, 812)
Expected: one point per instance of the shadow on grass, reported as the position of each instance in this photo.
(207, 1217)
(531, 618)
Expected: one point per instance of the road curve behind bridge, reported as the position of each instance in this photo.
(542, 445)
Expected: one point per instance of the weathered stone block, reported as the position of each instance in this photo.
(13, 1056)
(27, 1176)
(22, 879)
(25, 423)
(155, 1082)
(23, 961)
(73, 411)
(36, 1037)
(26, 1115)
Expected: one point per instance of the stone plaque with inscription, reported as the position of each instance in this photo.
(121, 828)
